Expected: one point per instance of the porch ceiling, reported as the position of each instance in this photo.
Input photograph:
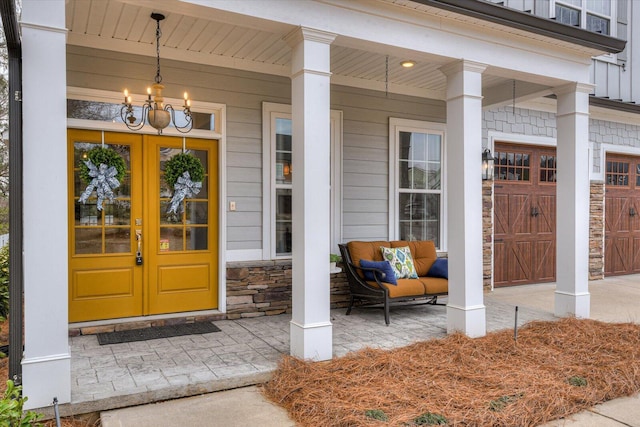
(202, 35)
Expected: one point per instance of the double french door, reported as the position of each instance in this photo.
(133, 258)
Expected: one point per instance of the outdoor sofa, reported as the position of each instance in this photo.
(371, 280)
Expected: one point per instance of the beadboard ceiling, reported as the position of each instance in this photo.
(194, 34)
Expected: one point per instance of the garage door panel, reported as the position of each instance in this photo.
(520, 214)
(528, 231)
(500, 266)
(520, 262)
(545, 260)
(635, 256)
(501, 214)
(546, 214)
(622, 215)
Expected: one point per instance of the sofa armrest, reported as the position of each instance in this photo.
(378, 274)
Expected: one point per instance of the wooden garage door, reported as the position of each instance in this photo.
(524, 215)
(622, 221)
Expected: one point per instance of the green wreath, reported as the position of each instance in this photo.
(104, 155)
(181, 163)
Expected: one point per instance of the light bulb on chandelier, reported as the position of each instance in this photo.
(154, 111)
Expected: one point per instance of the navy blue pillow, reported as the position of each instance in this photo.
(380, 265)
(440, 268)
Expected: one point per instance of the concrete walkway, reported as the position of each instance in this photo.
(613, 300)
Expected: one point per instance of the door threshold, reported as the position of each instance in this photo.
(139, 322)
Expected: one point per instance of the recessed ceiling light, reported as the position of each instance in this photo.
(408, 64)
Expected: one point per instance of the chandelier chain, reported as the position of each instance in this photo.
(158, 78)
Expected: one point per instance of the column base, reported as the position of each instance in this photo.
(568, 304)
(312, 341)
(471, 321)
(44, 378)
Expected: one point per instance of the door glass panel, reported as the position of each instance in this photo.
(197, 238)
(88, 241)
(193, 210)
(171, 239)
(117, 240)
(91, 236)
(197, 212)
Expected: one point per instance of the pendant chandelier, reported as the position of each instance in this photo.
(154, 111)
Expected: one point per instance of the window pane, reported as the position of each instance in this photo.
(566, 15)
(419, 163)
(420, 217)
(283, 165)
(603, 7)
(597, 24)
(283, 221)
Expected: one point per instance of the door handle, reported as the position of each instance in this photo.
(534, 212)
(632, 212)
(139, 251)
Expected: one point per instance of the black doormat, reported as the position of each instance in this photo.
(157, 332)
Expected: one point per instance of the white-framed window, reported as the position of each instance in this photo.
(594, 15)
(278, 174)
(416, 181)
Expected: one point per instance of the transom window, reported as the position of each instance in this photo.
(594, 15)
(418, 186)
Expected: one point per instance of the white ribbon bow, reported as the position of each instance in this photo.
(184, 187)
(104, 182)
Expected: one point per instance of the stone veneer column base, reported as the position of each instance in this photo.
(596, 230)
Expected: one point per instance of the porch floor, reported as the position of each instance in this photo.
(244, 352)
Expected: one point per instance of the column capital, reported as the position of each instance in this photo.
(573, 87)
(311, 34)
(462, 65)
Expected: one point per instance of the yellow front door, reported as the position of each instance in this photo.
(177, 268)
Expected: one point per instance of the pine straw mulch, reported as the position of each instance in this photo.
(491, 380)
(80, 421)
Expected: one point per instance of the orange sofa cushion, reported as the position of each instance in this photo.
(365, 250)
(405, 288)
(435, 285)
(423, 253)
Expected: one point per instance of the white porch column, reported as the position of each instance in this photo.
(572, 201)
(46, 365)
(465, 310)
(311, 330)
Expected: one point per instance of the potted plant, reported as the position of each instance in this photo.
(333, 259)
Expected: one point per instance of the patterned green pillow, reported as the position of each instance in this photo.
(401, 261)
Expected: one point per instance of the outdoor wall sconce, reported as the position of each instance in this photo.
(155, 111)
(487, 165)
